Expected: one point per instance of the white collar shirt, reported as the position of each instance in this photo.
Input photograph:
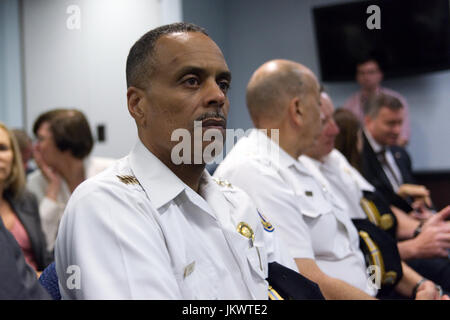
(343, 180)
(136, 231)
(396, 180)
(310, 220)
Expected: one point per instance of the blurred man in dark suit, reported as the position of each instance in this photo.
(386, 165)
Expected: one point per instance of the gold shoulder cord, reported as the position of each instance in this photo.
(384, 221)
(371, 211)
(377, 259)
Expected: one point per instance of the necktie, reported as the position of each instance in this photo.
(382, 158)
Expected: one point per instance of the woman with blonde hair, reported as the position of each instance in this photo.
(18, 207)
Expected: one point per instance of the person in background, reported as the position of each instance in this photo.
(18, 280)
(18, 207)
(422, 244)
(64, 142)
(369, 77)
(26, 149)
(329, 167)
(386, 165)
(283, 100)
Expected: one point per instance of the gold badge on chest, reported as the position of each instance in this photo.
(244, 229)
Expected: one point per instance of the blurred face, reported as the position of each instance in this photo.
(6, 156)
(369, 75)
(386, 126)
(46, 145)
(189, 83)
(311, 115)
(325, 142)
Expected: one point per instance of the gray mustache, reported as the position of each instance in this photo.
(209, 115)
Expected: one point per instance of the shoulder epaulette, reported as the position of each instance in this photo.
(222, 182)
(127, 179)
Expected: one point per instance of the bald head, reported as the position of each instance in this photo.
(273, 85)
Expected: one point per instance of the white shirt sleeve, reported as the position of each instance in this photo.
(276, 201)
(277, 251)
(116, 244)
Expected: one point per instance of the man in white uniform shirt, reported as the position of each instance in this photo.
(149, 229)
(334, 173)
(284, 95)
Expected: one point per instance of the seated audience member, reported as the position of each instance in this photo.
(150, 227)
(18, 280)
(422, 244)
(328, 166)
(283, 101)
(369, 77)
(26, 149)
(18, 207)
(64, 142)
(386, 165)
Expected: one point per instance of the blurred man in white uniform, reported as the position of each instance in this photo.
(285, 95)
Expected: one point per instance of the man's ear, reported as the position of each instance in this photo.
(136, 104)
(296, 111)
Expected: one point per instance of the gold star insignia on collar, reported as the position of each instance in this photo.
(127, 179)
(222, 182)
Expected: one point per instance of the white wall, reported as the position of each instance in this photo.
(85, 68)
(257, 31)
(11, 110)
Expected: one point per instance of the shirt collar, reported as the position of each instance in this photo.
(361, 94)
(158, 181)
(269, 149)
(314, 168)
(335, 160)
(376, 147)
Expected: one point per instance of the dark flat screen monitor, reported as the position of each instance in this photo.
(414, 37)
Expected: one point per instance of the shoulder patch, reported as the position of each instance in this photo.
(266, 224)
(127, 179)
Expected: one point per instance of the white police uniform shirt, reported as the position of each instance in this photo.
(309, 222)
(344, 181)
(136, 231)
